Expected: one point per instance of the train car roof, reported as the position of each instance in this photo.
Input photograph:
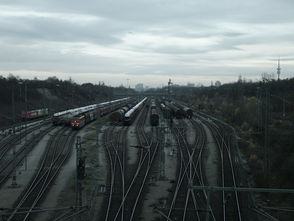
(129, 113)
(88, 107)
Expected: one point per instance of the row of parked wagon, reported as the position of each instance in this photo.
(124, 110)
(79, 117)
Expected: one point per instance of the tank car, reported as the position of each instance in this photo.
(119, 114)
(108, 107)
(131, 115)
(176, 112)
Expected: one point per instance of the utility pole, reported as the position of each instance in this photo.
(97, 131)
(72, 96)
(13, 110)
(266, 133)
(26, 104)
(263, 121)
(21, 123)
(259, 109)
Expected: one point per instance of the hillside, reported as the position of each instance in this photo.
(52, 93)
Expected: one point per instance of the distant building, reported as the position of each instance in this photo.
(139, 87)
(217, 84)
(190, 84)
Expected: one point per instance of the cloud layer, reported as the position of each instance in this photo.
(196, 41)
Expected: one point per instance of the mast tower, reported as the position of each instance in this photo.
(279, 69)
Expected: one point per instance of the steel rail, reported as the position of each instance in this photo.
(55, 166)
(142, 167)
(35, 179)
(50, 167)
(202, 143)
(11, 164)
(224, 149)
(112, 170)
(188, 175)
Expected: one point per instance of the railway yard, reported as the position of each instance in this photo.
(127, 159)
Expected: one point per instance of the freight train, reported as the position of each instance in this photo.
(176, 110)
(131, 115)
(65, 117)
(33, 114)
(110, 106)
(118, 115)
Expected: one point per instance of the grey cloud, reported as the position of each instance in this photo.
(52, 60)
(186, 19)
(174, 11)
(282, 59)
(56, 30)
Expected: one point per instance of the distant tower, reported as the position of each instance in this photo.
(279, 69)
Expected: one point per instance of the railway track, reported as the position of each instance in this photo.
(57, 151)
(127, 183)
(185, 204)
(9, 142)
(115, 146)
(8, 164)
(133, 199)
(230, 203)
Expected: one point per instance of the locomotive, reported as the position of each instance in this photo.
(119, 114)
(82, 119)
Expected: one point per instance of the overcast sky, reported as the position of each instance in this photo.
(147, 41)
